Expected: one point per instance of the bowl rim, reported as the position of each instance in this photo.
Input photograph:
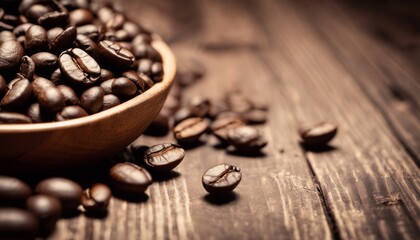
(169, 67)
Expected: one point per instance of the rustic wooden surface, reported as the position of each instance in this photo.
(312, 60)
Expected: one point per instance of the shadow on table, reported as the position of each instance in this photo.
(317, 149)
(221, 199)
(130, 197)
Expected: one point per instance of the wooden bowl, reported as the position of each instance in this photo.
(87, 140)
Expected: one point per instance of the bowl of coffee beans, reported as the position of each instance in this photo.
(79, 81)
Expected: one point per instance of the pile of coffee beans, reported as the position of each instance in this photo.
(62, 59)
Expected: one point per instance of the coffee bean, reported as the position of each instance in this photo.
(3, 87)
(6, 36)
(47, 209)
(92, 99)
(79, 67)
(199, 105)
(221, 179)
(22, 29)
(13, 192)
(51, 99)
(131, 28)
(55, 77)
(255, 116)
(238, 103)
(12, 117)
(80, 17)
(116, 21)
(40, 84)
(97, 198)
(246, 139)
(110, 101)
(47, 13)
(67, 191)
(91, 31)
(145, 66)
(18, 95)
(147, 80)
(130, 178)
(106, 75)
(115, 54)
(107, 86)
(142, 39)
(70, 97)
(157, 71)
(27, 68)
(190, 129)
(163, 157)
(71, 112)
(123, 87)
(44, 60)
(182, 114)
(319, 134)
(11, 53)
(136, 79)
(63, 40)
(17, 224)
(105, 14)
(37, 114)
(221, 126)
(35, 39)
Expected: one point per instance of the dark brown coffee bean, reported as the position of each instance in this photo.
(216, 108)
(27, 68)
(221, 179)
(18, 95)
(131, 178)
(88, 45)
(12, 117)
(105, 14)
(147, 80)
(67, 191)
(238, 103)
(106, 75)
(63, 40)
(115, 54)
(51, 99)
(110, 101)
(142, 39)
(37, 114)
(145, 66)
(123, 87)
(79, 67)
(107, 86)
(16, 223)
(91, 31)
(6, 36)
(182, 114)
(255, 116)
(80, 17)
(55, 77)
(21, 29)
(71, 112)
(136, 79)
(221, 126)
(246, 139)
(11, 52)
(45, 60)
(319, 134)
(190, 129)
(47, 209)
(199, 105)
(13, 192)
(116, 21)
(35, 39)
(97, 198)
(41, 84)
(157, 71)
(163, 157)
(47, 13)
(92, 99)
(3, 87)
(131, 28)
(70, 97)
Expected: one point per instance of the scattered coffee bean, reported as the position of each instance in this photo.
(71, 112)
(13, 192)
(221, 179)
(16, 223)
(130, 178)
(221, 126)
(163, 157)
(246, 139)
(255, 116)
(96, 199)
(199, 105)
(47, 209)
(319, 134)
(190, 130)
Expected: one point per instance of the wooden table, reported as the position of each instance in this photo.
(313, 60)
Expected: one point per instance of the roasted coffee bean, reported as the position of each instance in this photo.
(157, 71)
(16, 223)
(63, 40)
(131, 28)
(221, 126)
(79, 67)
(47, 13)
(136, 79)
(131, 178)
(70, 97)
(97, 198)
(18, 95)
(238, 103)
(199, 105)
(216, 108)
(123, 87)
(107, 86)
(35, 39)
(116, 21)
(75, 4)
(319, 134)
(147, 80)
(110, 101)
(91, 31)
(163, 157)
(47, 209)
(246, 139)
(13, 192)
(115, 54)
(142, 39)
(27, 68)
(12, 117)
(21, 29)
(255, 116)
(80, 17)
(3, 87)
(6, 36)
(105, 14)
(221, 179)
(71, 112)
(145, 66)
(88, 45)
(51, 99)
(67, 191)
(41, 84)
(106, 75)
(36, 11)
(190, 129)
(11, 53)
(55, 77)
(92, 99)
(37, 114)
(182, 114)
(45, 60)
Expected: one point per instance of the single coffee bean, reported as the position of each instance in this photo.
(71, 112)
(142, 38)
(91, 31)
(54, 14)
(97, 198)
(110, 101)
(27, 68)
(199, 105)
(92, 99)
(131, 178)
(6, 36)
(182, 114)
(221, 126)
(319, 134)
(106, 75)
(67, 191)
(13, 192)
(55, 77)
(16, 223)
(105, 14)
(221, 179)
(163, 157)
(107, 86)
(18, 95)
(45, 60)
(64, 40)
(47, 209)
(41, 84)
(190, 129)
(51, 99)
(131, 28)
(145, 66)
(157, 71)
(246, 139)
(238, 103)
(12, 117)
(147, 80)
(11, 53)
(79, 67)
(35, 39)
(21, 29)
(80, 17)
(115, 54)
(123, 87)
(70, 97)
(3, 87)
(136, 79)
(116, 21)
(255, 116)
(216, 108)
